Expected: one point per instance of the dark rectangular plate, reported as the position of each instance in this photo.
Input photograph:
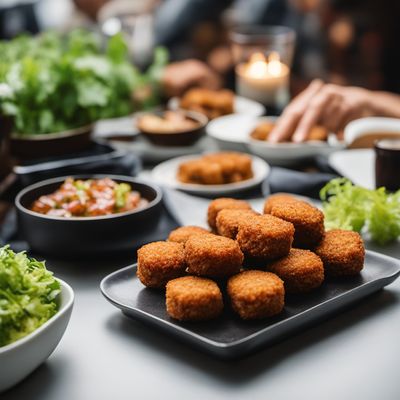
(230, 337)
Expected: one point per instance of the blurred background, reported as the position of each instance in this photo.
(349, 42)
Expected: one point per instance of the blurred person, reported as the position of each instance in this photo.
(332, 106)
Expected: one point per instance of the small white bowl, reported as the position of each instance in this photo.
(289, 153)
(20, 358)
(363, 132)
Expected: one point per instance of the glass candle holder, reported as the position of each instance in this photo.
(263, 58)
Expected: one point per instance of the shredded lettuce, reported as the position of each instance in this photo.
(351, 207)
(28, 293)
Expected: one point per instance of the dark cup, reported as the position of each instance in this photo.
(387, 164)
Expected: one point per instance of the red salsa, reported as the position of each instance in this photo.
(89, 198)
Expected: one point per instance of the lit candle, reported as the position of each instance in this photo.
(264, 80)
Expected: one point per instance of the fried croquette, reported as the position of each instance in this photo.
(308, 221)
(277, 198)
(221, 204)
(213, 256)
(183, 233)
(228, 221)
(191, 298)
(256, 294)
(159, 262)
(216, 169)
(301, 271)
(342, 253)
(265, 237)
(212, 103)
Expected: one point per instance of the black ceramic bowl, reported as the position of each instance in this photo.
(179, 138)
(90, 236)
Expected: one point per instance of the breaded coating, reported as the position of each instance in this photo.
(277, 198)
(216, 169)
(212, 256)
(342, 252)
(308, 221)
(183, 233)
(224, 203)
(301, 271)
(191, 298)
(212, 103)
(265, 237)
(228, 221)
(159, 262)
(256, 294)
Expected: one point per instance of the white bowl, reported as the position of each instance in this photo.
(363, 132)
(19, 359)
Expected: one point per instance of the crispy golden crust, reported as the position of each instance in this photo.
(183, 233)
(213, 256)
(256, 294)
(308, 221)
(277, 198)
(265, 237)
(301, 271)
(216, 169)
(224, 203)
(159, 262)
(342, 253)
(191, 298)
(228, 221)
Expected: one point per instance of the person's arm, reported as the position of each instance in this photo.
(333, 107)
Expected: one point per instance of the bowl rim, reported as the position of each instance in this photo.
(126, 179)
(66, 290)
(80, 130)
(199, 117)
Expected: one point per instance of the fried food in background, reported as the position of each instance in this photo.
(301, 271)
(159, 262)
(191, 298)
(256, 294)
(265, 237)
(223, 203)
(213, 256)
(342, 252)
(212, 103)
(216, 169)
(170, 122)
(262, 131)
(228, 221)
(308, 221)
(183, 233)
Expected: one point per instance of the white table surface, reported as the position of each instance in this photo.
(104, 355)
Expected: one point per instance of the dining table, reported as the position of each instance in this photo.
(353, 354)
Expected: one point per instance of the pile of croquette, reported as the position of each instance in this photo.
(256, 259)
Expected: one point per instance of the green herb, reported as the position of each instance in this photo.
(27, 295)
(121, 192)
(351, 207)
(50, 83)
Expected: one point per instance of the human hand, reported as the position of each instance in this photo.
(182, 75)
(329, 105)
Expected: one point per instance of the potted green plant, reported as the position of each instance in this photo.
(55, 87)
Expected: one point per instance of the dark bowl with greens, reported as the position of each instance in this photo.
(57, 218)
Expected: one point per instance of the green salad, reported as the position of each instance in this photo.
(53, 82)
(351, 207)
(28, 294)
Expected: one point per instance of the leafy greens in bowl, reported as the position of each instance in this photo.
(53, 83)
(28, 293)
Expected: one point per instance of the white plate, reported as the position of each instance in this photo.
(19, 359)
(166, 172)
(233, 131)
(242, 105)
(123, 126)
(358, 165)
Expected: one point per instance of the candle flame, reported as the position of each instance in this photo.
(259, 66)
